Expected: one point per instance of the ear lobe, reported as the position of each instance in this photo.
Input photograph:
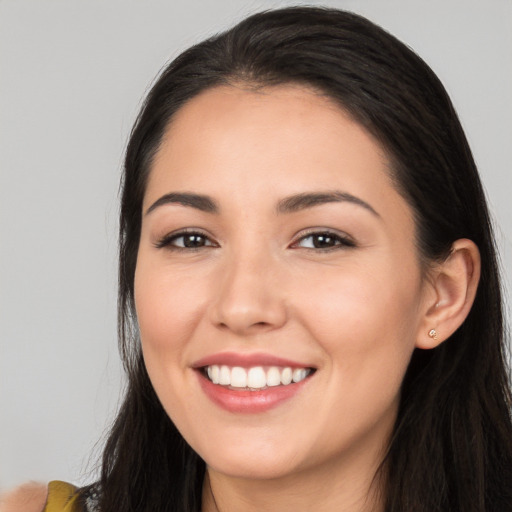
(454, 283)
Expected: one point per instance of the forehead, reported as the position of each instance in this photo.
(269, 142)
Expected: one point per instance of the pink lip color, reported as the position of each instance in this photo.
(248, 401)
(247, 360)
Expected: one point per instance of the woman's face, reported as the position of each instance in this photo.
(274, 247)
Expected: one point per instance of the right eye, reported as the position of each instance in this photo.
(185, 240)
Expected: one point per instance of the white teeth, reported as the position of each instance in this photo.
(256, 377)
(299, 374)
(215, 374)
(238, 377)
(273, 376)
(286, 376)
(225, 376)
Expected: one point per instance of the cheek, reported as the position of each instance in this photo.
(366, 323)
(359, 299)
(168, 306)
(166, 303)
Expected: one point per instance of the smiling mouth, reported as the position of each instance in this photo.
(256, 378)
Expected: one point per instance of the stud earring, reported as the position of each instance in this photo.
(433, 334)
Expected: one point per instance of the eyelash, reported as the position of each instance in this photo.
(167, 241)
(340, 241)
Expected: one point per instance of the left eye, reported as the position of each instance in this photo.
(323, 240)
(185, 241)
(190, 240)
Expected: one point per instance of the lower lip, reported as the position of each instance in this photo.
(250, 402)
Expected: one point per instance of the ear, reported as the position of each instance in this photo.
(453, 284)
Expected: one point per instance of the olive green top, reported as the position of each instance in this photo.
(62, 497)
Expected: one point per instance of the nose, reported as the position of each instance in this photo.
(250, 296)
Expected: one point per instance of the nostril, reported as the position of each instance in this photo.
(255, 326)
(241, 311)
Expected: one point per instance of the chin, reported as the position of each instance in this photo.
(263, 458)
(255, 468)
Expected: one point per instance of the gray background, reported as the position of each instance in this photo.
(72, 74)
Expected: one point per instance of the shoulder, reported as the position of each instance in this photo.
(57, 496)
(29, 497)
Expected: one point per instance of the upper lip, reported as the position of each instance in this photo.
(247, 360)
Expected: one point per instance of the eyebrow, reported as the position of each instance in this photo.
(198, 201)
(308, 200)
(289, 204)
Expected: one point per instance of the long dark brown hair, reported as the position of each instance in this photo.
(452, 443)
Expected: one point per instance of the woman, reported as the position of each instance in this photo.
(310, 308)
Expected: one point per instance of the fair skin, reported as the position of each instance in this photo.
(29, 497)
(304, 251)
(330, 281)
(333, 283)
